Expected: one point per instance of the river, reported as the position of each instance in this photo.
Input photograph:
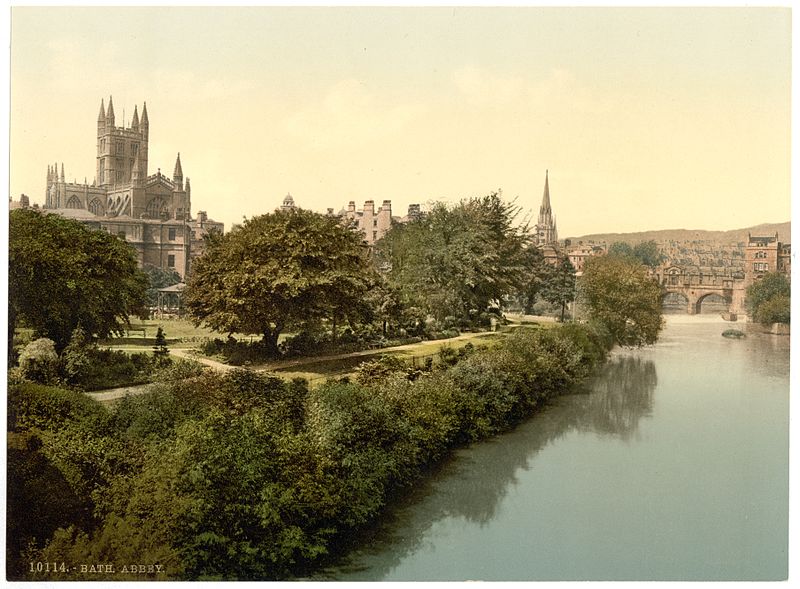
(671, 464)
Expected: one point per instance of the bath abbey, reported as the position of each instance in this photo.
(151, 211)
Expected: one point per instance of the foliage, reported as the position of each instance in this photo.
(242, 475)
(39, 362)
(159, 278)
(62, 274)
(77, 356)
(645, 252)
(768, 299)
(277, 271)
(538, 271)
(558, 286)
(621, 296)
(160, 350)
(456, 260)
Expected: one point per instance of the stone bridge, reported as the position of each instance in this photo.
(696, 288)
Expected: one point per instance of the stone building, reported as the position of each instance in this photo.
(374, 224)
(151, 212)
(765, 254)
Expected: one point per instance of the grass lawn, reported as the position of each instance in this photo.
(345, 365)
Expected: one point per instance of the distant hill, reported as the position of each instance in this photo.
(733, 236)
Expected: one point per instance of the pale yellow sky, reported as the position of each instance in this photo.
(647, 118)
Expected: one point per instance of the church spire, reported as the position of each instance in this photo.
(177, 175)
(546, 197)
(62, 171)
(135, 119)
(101, 118)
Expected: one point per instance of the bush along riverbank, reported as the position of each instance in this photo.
(246, 476)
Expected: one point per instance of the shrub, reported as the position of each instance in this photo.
(39, 361)
(775, 310)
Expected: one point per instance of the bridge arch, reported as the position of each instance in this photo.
(675, 301)
(707, 296)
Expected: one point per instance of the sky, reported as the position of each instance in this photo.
(645, 118)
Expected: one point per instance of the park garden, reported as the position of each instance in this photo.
(360, 370)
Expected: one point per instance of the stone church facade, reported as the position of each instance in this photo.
(151, 212)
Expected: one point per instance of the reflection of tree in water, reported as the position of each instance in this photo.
(473, 483)
(621, 395)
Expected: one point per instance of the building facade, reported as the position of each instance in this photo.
(151, 212)
(765, 254)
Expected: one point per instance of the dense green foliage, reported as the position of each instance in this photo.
(62, 274)
(558, 286)
(159, 278)
(245, 476)
(768, 300)
(456, 260)
(287, 269)
(619, 294)
(646, 252)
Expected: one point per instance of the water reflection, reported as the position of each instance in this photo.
(472, 485)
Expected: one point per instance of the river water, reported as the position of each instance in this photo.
(672, 464)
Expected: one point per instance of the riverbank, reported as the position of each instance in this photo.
(241, 475)
(670, 465)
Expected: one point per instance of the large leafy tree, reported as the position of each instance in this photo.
(646, 252)
(619, 294)
(768, 299)
(558, 285)
(280, 270)
(62, 274)
(458, 259)
(159, 278)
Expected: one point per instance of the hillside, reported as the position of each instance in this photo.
(723, 237)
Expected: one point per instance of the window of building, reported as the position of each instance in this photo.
(374, 236)
(119, 175)
(120, 148)
(172, 233)
(760, 266)
(374, 222)
(96, 207)
(134, 149)
(121, 234)
(170, 261)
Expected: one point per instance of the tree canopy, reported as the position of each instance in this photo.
(279, 270)
(558, 285)
(768, 299)
(457, 259)
(646, 252)
(619, 294)
(62, 274)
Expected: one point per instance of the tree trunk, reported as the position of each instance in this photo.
(271, 341)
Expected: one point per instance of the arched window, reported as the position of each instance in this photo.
(155, 207)
(96, 207)
(74, 202)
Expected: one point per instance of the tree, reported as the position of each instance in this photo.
(280, 270)
(620, 295)
(457, 260)
(160, 350)
(537, 272)
(558, 286)
(646, 252)
(62, 274)
(159, 278)
(768, 299)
